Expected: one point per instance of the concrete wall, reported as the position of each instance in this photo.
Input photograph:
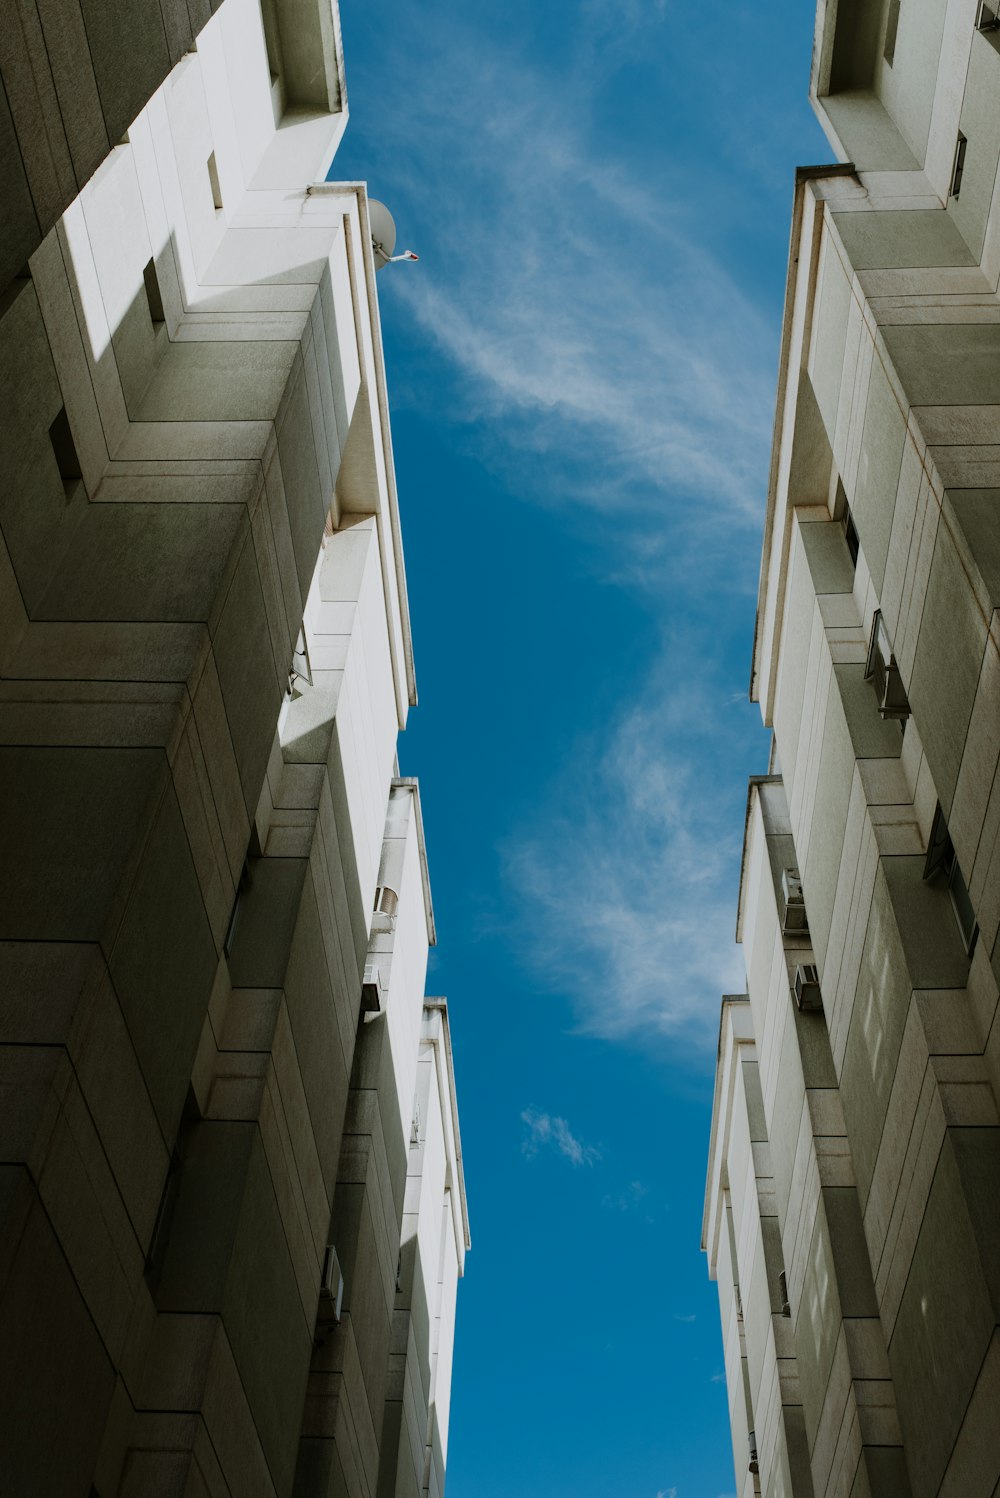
(199, 501)
(74, 76)
(880, 1110)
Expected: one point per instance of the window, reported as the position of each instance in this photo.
(213, 179)
(848, 526)
(786, 1309)
(989, 16)
(883, 673)
(153, 298)
(64, 449)
(942, 866)
(959, 167)
(891, 27)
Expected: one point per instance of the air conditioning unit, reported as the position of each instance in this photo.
(883, 673)
(373, 991)
(805, 987)
(386, 904)
(794, 921)
(331, 1290)
(754, 1464)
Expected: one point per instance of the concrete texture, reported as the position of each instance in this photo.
(878, 1154)
(194, 1104)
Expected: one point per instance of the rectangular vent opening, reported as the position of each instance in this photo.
(213, 177)
(891, 28)
(959, 167)
(154, 299)
(850, 533)
(64, 448)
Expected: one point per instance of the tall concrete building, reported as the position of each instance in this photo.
(232, 1208)
(852, 1215)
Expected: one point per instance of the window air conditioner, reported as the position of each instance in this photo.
(794, 919)
(754, 1465)
(806, 988)
(386, 903)
(331, 1290)
(373, 993)
(883, 673)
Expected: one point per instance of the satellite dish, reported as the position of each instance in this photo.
(384, 235)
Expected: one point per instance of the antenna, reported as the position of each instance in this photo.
(384, 236)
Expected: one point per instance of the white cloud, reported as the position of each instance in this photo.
(632, 1199)
(667, 1493)
(608, 359)
(687, 1320)
(577, 302)
(626, 880)
(545, 1130)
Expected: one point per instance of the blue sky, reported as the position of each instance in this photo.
(581, 372)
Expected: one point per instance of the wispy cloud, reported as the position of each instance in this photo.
(577, 304)
(717, 1378)
(626, 880)
(632, 1199)
(602, 356)
(687, 1320)
(667, 1493)
(547, 1131)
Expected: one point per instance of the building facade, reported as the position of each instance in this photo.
(852, 1215)
(232, 1205)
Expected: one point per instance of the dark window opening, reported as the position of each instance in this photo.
(850, 534)
(64, 449)
(883, 673)
(213, 178)
(154, 299)
(942, 865)
(989, 16)
(959, 168)
(891, 27)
